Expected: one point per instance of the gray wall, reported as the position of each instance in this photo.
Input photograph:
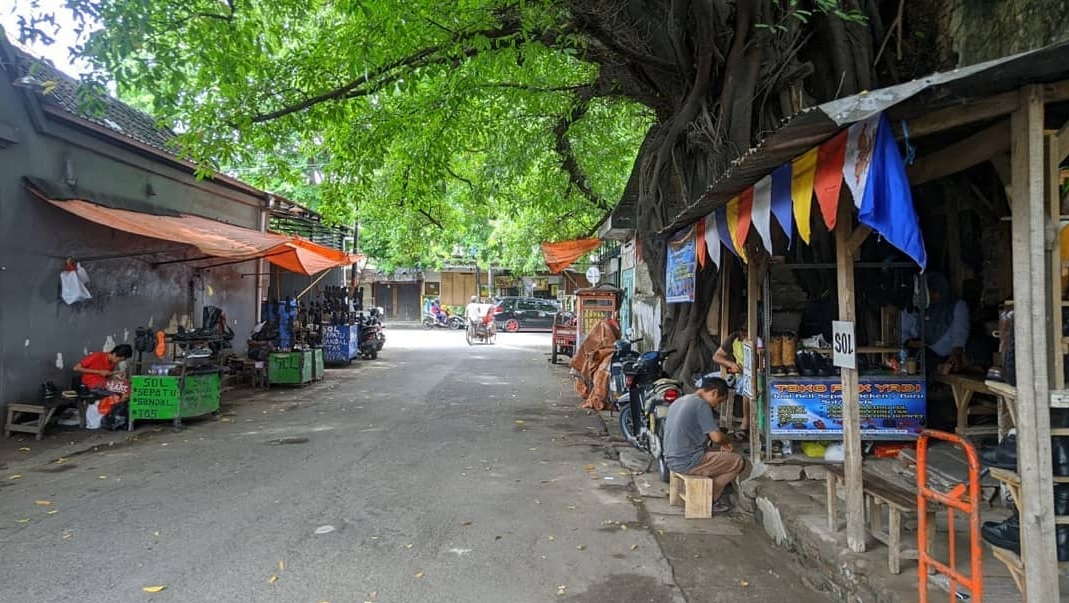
(40, 336)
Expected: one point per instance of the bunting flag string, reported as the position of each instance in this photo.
(762, 210)
(865, 157)
(829, 177)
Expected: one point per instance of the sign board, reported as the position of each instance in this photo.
(747, 369)
(811, 407)
(166, 397)
(593, 275)
(843, 348)
(341, 343)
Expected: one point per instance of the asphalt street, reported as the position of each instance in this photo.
(439, 472)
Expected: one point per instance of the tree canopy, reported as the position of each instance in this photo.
(434, 124)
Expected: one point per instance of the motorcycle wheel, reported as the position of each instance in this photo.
(627, 427)
(456, 323)
(372, 354)
(428, 323)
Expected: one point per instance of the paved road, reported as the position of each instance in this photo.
(437, 473)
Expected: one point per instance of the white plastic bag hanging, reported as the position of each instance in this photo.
(72, 283)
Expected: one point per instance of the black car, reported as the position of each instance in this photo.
(524, 314)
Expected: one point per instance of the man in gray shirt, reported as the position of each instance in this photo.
(691, 425)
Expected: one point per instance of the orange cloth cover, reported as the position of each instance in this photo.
(561, 255)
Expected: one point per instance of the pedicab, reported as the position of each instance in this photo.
(482, 331)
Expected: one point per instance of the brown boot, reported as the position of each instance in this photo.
(787, 356)
(775, 352)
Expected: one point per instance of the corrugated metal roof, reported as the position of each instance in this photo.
(814, 125)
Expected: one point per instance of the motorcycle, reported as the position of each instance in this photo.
(451, 321)
(644, 408)
(372, 337)
(622, 353)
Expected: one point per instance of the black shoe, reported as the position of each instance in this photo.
(806, 364)
(1005, 534)
(1003, 456)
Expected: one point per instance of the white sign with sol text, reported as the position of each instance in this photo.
(844, 351)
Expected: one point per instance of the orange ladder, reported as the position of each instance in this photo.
(964, 497)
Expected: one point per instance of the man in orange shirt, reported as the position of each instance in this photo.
(97, 367)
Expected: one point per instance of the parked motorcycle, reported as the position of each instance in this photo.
(452, 321)
(650, 392)
(372, 337)
(623, 352)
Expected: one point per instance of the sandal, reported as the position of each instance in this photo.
(740, 435)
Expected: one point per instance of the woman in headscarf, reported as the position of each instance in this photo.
(946, 327)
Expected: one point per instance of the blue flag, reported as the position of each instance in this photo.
(781, 199)
(722, 230)
(887, 204)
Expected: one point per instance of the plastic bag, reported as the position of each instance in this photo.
(834, 453)
(92, 417)
(72, 285)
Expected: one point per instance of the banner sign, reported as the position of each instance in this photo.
(681, 266)
(811, 408)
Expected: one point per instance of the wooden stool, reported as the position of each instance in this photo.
(35, 426)
(259, 374)
(695, 492)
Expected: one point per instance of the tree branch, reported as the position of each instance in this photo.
(431, 219)
(564, 148)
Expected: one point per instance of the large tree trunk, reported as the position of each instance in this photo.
(718, 74)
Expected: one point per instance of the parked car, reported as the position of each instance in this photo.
(524, 314)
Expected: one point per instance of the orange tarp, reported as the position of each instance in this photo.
(560, 255)
(213, 238)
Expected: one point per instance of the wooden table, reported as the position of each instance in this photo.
(964, 388)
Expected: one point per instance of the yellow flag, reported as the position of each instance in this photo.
(732, 214)
(803, 170)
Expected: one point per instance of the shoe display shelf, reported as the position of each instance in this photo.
(1016, 563)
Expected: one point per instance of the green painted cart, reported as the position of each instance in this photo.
(173, 398)
(295, 368)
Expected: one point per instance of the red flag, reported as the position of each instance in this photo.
(742, 227)
(829, 178)
(701, 243)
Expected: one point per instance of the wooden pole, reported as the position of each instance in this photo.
(851, 411)
(1030, 268)
(754, 280)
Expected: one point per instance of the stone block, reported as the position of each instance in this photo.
(785, 473)
(815, 472)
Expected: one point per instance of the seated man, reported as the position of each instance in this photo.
(690, 426)
(97, 367)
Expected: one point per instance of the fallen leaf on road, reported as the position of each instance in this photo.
(589, 466)
(24, 449)
(153, 589)
(532, 449)
(16, 476)
(581, 547)
(23, 520)
(561, 590)
(42, 503)
(520, 421)
(61, 460)
(570, 507)
(551, 538)
(743, 583)
(418, 575)
(272, 579)
(281, 566)
(634, 547)
(408, 546)
(66, 535)
(466, 523)
(623, 526)
(53, 512)
(102, 477)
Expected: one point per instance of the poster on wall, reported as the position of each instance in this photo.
(681, 266)
(811, 408)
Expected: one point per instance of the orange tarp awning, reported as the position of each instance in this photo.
(560, 255)
(212, 238)
(305, 257)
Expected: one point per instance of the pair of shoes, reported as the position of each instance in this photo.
(1004, 535)
(1003, 456)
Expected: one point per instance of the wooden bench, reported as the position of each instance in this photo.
(35, 425)
(694, 492)
(879, 493)
(963, 388)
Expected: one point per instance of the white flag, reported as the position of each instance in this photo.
(712, 239)
(860, 142)
(762, 210)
